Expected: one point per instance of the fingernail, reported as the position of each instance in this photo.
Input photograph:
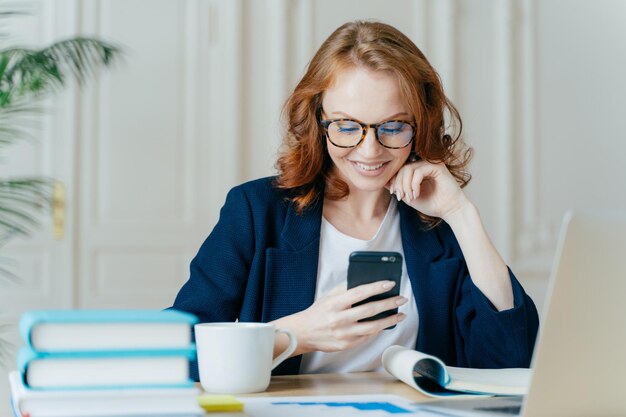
(389, 284)
(398, 195)
(414, 195)
(401, 317)
(401, 301)
(391, 190)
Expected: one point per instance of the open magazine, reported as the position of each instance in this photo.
(430, 376)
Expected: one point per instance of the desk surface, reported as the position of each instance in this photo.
(340, 384)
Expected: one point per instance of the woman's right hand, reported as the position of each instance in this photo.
(331, 323)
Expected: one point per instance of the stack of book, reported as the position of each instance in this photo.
(105, 363)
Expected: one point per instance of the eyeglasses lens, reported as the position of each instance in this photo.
(393, 134)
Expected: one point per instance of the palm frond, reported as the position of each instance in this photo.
(9, 10)
(36, 72)
(19, 120)
(20, 200)
(7, 349)
(6, 274)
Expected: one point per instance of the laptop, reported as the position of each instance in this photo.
(579, 364)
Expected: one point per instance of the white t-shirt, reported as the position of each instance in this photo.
(335, 249)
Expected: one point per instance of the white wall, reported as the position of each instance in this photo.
(539, 85)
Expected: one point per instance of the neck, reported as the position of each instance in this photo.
(365, 205)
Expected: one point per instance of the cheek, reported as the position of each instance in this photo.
(336, 154)
(401, 156)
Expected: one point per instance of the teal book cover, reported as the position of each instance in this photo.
(76, 330)
(106, 369)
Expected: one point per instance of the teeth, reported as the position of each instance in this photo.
(369, 167)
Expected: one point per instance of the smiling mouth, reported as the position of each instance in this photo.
(369, 167)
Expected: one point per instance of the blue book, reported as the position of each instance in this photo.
(106, 369)
(98, 330)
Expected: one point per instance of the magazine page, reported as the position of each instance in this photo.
(400, 362)
(430, 376)
(509, 381)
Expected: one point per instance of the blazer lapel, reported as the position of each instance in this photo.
(291, 268)
(423, 254)
(423, 243)
(291, 272)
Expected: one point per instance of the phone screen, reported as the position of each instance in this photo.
(368, 266)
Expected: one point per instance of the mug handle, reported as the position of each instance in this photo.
(293, 343)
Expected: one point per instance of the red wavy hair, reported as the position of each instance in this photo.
(304, 165)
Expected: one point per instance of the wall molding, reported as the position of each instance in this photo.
(442, 41)
(535, 236)
(223, 39)
(420, 16)
(303, 14)
(503, 125)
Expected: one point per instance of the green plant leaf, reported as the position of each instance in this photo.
(37, 72)
(6, 348)
(20, 201)
(19, 120)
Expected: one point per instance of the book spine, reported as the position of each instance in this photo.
(27, 322)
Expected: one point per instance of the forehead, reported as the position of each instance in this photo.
(364, 94)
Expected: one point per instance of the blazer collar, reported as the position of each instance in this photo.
(414, 234)
(302, 230)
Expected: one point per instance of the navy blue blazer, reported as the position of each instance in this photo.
(260, 263)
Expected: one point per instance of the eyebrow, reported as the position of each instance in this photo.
(340, 113)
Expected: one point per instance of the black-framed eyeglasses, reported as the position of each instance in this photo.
(347, 133)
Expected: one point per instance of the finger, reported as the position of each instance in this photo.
(406, 185)
(360, 293)
(397, 186)
(423, 175)
(416, 183)
(372, 308)
(372, 328)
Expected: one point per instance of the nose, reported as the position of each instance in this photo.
(370, 147)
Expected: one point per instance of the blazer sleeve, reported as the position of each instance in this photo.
(219, 272)
(492, 338)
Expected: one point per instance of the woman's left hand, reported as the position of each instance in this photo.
(432, 190)
(428, 188)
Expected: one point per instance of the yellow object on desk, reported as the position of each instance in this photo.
(217, 403)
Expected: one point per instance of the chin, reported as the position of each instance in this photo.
(368, 184)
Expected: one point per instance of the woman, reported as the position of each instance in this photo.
(367, 164)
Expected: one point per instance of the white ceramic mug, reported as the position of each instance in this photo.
(236, 358)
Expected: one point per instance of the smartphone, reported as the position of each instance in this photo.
(368, 266)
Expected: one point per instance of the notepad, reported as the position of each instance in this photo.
(217, 403)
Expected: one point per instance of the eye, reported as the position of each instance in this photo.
(346, 127)
(391, 128)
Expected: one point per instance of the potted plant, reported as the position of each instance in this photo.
(27, 77)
